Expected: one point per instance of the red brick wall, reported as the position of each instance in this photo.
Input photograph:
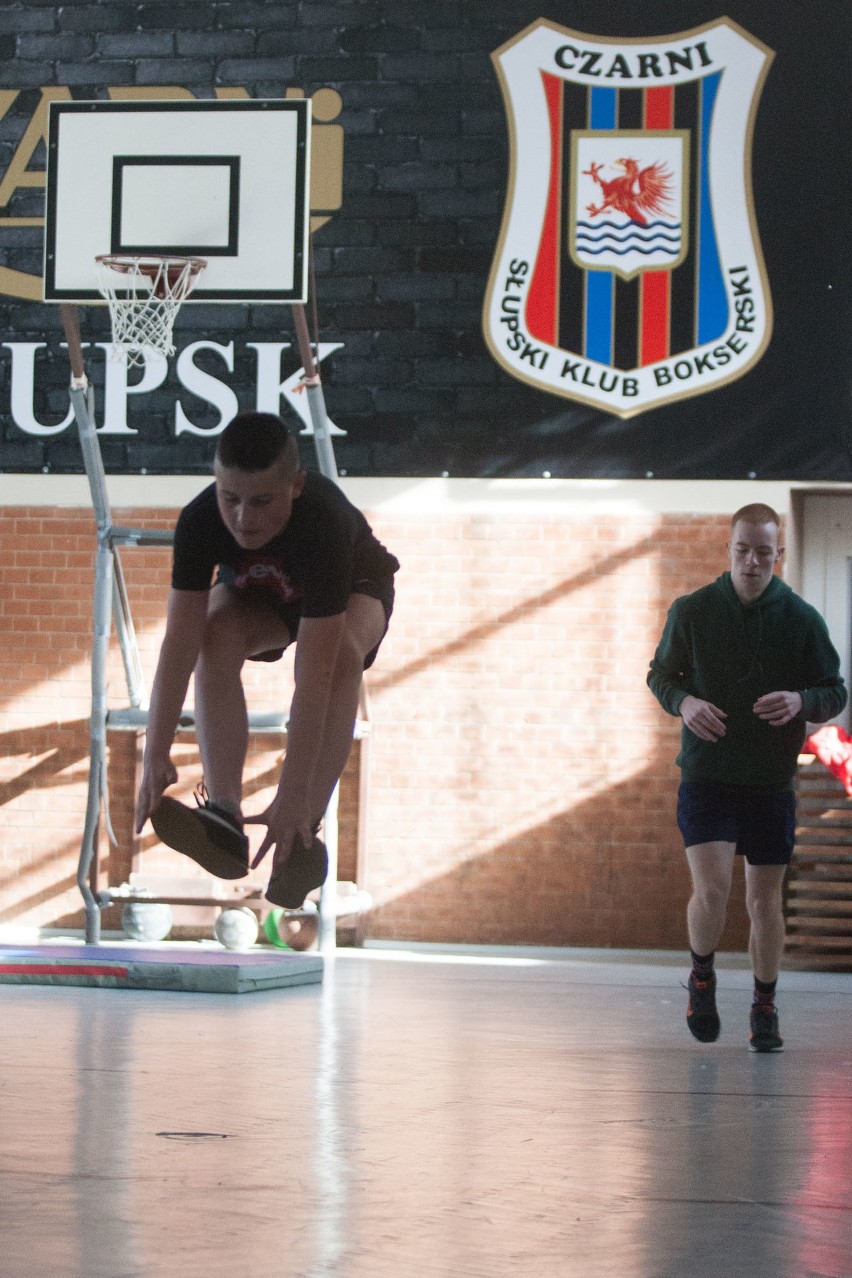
(522, 782)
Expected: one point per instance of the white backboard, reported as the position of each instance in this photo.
(225, 180)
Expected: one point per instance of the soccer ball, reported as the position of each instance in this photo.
(299, 933)
(237, 929)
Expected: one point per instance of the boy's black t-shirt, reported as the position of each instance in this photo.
(315, 563)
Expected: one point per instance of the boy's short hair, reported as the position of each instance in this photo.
(255, 441)
(756, 513)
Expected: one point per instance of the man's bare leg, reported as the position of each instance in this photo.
(235, 629)
(365, 625)
(764, 899)
(711, 866)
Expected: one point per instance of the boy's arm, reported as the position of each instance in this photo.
(187, 612)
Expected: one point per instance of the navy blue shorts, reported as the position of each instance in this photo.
(761, 822)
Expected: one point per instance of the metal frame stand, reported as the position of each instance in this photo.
(111, 606)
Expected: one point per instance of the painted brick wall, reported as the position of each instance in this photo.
(522, 779)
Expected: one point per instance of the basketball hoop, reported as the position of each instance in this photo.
(144, 296)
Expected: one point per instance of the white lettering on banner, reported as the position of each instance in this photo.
(116, 388)
(207, 387)
(270, 389)
(23, 387)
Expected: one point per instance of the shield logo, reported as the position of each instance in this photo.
(628, 272)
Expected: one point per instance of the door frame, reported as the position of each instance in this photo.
(819, 564)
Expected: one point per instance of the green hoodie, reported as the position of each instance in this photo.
(729, 653)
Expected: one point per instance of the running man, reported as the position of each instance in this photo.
(746, 664)
(267, 556)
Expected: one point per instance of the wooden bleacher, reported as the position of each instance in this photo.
(818, 890)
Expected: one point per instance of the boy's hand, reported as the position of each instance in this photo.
(778, 708)
(285, 818)
(703, 718)
(155, 779)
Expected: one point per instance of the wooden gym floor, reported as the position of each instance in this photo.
(427, 1114)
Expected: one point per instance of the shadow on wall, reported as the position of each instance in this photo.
(52, 760)
(607, 872)
(38, 861)
(518, 612)
(48, 895)
(609, 868)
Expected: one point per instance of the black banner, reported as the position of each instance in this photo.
(651, 129)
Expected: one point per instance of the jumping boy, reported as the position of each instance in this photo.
(294, 562)
(746, 664)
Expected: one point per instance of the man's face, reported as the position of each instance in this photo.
(753, 551)
(256, 505)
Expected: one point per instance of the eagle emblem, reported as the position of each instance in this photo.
(629, 211)
(637, 192)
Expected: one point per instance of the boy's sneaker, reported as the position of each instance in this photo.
(212, 836)
(764, 1029)
(304, 870)
(701, 1015)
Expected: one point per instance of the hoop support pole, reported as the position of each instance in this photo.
(316, 399)
(71, 324)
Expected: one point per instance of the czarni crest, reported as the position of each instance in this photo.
(628, 272)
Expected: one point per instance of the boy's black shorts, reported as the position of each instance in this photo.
(291, 614)
(761, 822)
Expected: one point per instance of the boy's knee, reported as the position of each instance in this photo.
(223, 639)
(218, 631)
(366, 623)
(349, 666)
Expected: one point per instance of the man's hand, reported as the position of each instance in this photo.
(778, 708)
(285, 819)
(703, 718)
(155, 779)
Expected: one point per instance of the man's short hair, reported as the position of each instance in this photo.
(756, 513)
(255, 441)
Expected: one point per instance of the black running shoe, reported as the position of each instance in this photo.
(764, 1029)
(701, 1015)
(208, 834)
(304, 870)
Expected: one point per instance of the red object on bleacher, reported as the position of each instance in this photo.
(833, 747)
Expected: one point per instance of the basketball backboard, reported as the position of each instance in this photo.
(224, 180)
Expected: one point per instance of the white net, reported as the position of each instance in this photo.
(144, 296)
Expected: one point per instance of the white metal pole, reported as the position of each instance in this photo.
(328, 896)
(316, 399)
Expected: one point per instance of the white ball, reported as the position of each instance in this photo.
(145, 922)
(237, 929)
